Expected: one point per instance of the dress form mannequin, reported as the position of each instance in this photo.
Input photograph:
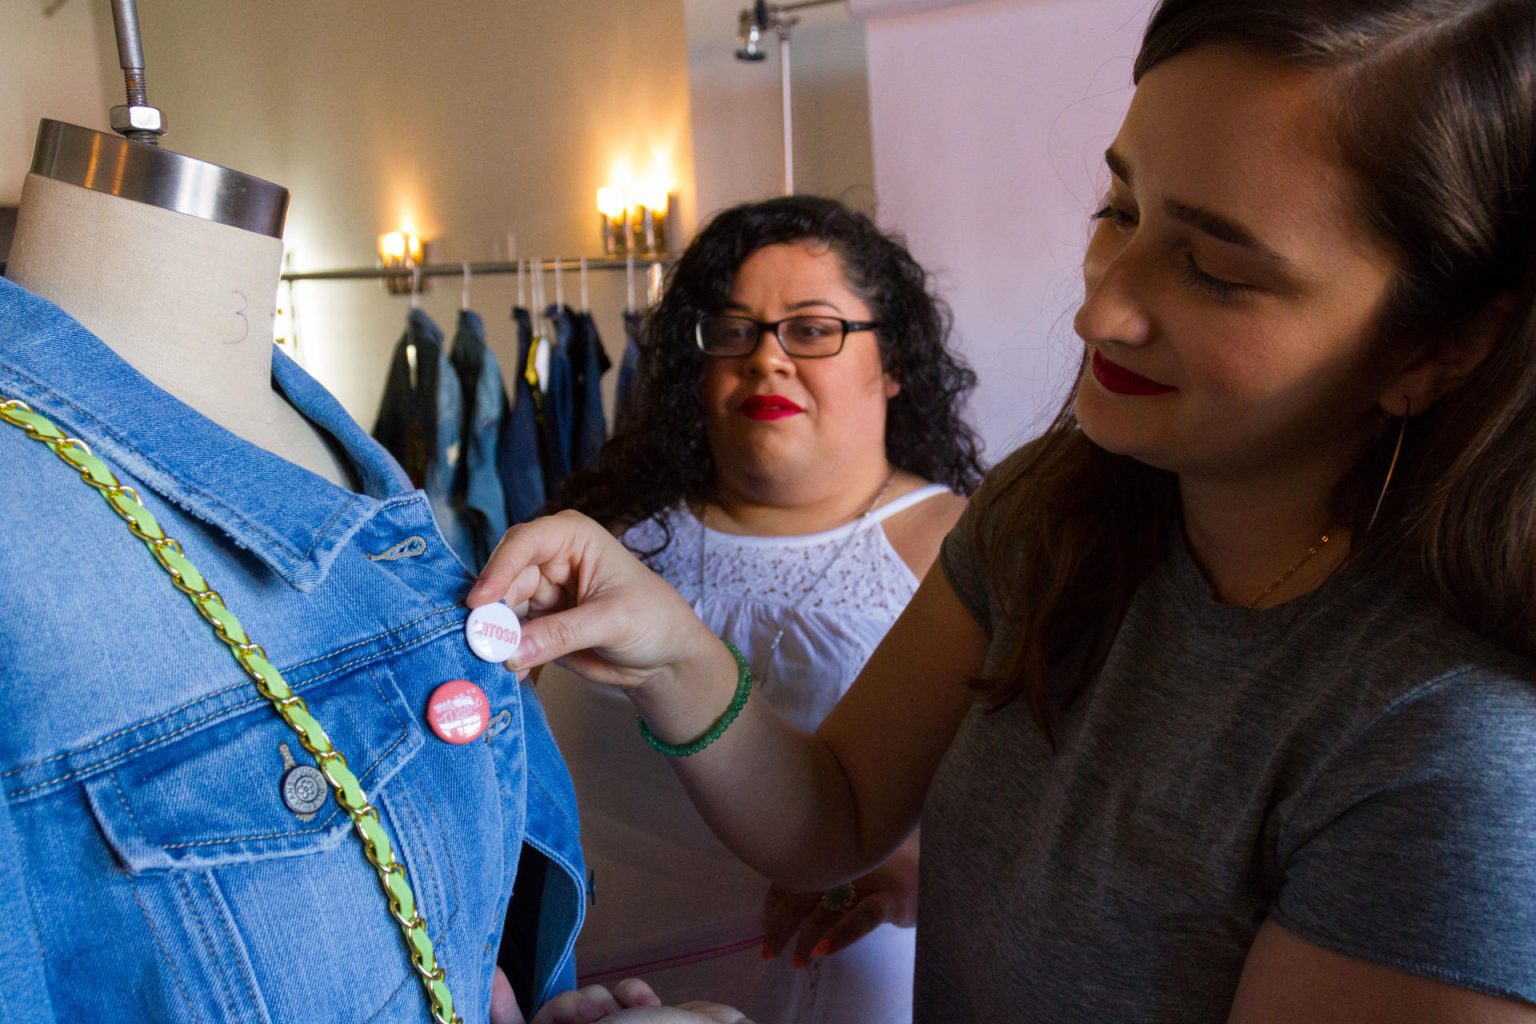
(187, 301)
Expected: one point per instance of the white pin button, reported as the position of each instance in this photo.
(493, 632)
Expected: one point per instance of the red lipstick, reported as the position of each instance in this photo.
(1121, 381)
(769, 407)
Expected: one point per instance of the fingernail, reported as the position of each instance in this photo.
(590, 1011)
(822, 948)
(799, 961)
(767, 952)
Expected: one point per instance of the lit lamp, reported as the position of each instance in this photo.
(613, 209)
(650, 217)
(401, 251)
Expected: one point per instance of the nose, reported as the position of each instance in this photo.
(769, 358)
(1116, 283)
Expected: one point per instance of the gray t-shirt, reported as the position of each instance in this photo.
(1352, 764)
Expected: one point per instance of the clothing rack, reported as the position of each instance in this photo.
(476, 269)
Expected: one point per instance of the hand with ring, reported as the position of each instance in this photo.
(825, 922)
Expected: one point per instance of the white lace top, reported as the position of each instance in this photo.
(748, 588)
(666, 892)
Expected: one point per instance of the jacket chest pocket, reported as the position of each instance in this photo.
(230, 870)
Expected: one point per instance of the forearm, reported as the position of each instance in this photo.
(776, 797)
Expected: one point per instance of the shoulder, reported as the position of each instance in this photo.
(916, 533)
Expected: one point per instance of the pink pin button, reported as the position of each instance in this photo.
(493, 632)
(458, 711)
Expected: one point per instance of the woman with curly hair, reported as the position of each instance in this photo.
(794, 458)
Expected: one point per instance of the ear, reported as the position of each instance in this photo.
(1440, 368)
(892, 387)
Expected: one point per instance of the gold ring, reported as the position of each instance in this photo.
(840, 898)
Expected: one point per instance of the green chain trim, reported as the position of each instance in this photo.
(270, 684)
(739, 701)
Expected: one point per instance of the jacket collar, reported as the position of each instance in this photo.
(291, 519)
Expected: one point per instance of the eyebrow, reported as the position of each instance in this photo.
(804, 304)
(1201, 219)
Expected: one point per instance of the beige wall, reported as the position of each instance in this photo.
(62, 66)
(468, 122)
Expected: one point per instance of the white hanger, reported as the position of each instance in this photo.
(652, 285)
(415, 285)
(522, 295)
(586, 301)
(464, 296)
(559, 286)
(629, 281)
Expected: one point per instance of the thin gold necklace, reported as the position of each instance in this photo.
(783, 623)
(1317, 546)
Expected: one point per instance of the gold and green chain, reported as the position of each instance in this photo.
(269, 682)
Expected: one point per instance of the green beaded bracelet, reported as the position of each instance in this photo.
(743, 691)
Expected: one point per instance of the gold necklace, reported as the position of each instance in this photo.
(1317, 546)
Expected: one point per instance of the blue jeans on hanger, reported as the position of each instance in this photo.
(558, 409)
(629, 366)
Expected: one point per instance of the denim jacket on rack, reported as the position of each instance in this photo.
(150, 864)
(421, 419)
(480, 508)
(589, 429)
(520, 456)
(629, 367)
(558, 406)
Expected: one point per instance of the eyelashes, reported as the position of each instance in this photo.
(1189, 271)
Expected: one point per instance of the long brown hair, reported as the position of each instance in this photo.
(1435, 118)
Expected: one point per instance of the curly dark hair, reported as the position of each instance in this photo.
(659, 455)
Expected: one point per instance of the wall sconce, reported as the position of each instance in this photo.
(648, 216)
(401, 251)
(613, 208)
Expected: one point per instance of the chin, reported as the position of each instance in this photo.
(1117, 433)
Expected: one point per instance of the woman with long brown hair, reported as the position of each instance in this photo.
(1221, 703)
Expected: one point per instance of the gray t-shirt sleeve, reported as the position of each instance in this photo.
(1415, 845)
(967, 550)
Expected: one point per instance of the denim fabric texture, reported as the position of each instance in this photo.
(480, 508)
(519, 456)
(421, 419)
(557, 409)
(588, 364)
(629, 366)
(151, 866)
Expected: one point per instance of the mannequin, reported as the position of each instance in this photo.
(188, 302)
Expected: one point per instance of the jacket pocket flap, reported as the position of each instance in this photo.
(214, 792)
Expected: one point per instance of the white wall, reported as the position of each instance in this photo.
(738, 133)
(990, 122)
(62, 66)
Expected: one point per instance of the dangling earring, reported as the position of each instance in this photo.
(1402, 428)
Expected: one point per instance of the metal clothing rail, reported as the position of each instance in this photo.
(475, 269)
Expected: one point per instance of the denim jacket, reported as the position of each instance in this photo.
(480, 508)
(149, 863)
(421, 419)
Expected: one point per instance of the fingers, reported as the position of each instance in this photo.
(504, 1008)
(551, 542)
(579, 1006)
(634, 992)
(843, 930)
(783, 913)
(716, 1013)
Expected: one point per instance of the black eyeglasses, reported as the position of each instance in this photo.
(801, 337)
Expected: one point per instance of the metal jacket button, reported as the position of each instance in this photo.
(303, 786)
